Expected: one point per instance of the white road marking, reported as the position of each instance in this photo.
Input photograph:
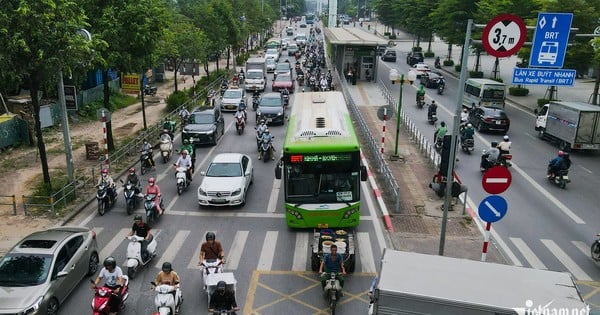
(112, 245)
(173, 248)
(300, 252)
(365, 253)
(583, 247)
(268, 251)
(274, 195)
(235, 253)
(531, 258)
(194, 261)
(573, 268)
(377, 224)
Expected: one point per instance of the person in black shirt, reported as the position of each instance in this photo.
(141, 229)
(222, 299)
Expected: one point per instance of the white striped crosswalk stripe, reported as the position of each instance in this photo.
(173, 248)
(268, 251)
(301, 252)
(114, 243)
(235, 253)
(582, 246)
(571, 266)
(531, 258)
(365, 252)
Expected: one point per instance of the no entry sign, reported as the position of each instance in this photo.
(496, 180)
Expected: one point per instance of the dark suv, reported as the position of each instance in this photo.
(414, 57)
(389, 55)
(204, 126)
(271, 108)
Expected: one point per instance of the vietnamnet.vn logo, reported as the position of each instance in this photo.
(548, 309)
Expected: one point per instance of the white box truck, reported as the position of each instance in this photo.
(573, 125)
(256, 74)
(412, 283)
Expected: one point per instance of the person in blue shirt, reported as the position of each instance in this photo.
(332, 262)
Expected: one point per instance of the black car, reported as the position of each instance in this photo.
(389, 55)
(489, 119)
(431, 79)
(414, 57)
(204, 126)
(271, 108)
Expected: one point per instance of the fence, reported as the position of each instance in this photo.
(81, 189)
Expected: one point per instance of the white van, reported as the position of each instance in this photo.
(484, 92)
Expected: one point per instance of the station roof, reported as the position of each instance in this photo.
(353, 36)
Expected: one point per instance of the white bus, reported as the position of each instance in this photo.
(484, 92)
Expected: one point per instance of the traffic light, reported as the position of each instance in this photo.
(445, 154)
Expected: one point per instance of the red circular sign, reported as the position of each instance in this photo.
(504, 35)
(496, 180)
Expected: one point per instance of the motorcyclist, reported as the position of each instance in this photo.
(242, 106)
(490, 158)
(420, 93)
(286, 96)
(153, 188)
(266, 136)
(260, 129)
(437, 61)
(141, 229)
(108, 181)
(222, 299)
(241, 115)
(466, 132)
(255, 94)
(504, 145)
(187, 145)
(211, 249)
(185, 161)
(134, 180)
(332, 262)
(146, 146)
(164, 133)
(184, 114)
(464, 116)
(431, 110)
(113, 279)
(440, 132)
(169, 126)
(560, 162)
(169, 277)
(323, 83)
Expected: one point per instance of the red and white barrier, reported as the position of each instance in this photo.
(386, 216)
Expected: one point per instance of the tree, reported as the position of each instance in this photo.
(132, 29)
(39, 38)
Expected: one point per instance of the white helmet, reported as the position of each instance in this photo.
(469, 125)
(505, 138)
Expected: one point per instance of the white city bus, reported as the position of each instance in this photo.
(484, 92)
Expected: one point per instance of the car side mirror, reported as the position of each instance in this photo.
(536, 111)
(278, 171)
(363, 173)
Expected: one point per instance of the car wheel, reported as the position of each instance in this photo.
(53, 306)
(93, 264)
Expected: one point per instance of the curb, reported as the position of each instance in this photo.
(377, 193)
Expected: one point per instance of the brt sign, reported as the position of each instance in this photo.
(550, 40)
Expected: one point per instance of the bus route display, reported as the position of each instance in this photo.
(320, 158)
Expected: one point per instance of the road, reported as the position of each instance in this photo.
(271, 262)
(546, 227)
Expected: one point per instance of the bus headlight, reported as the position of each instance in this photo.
(295, 213)
(350, 212)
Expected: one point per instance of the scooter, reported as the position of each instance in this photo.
(168, 299)
(210, 266)
(166, 147)
(333, 291)
(438, 145)
(105, 201)
(561, 178)
(266, 150)
(503, 160)
(145, 161)
(181, 179)
(467, 145)
(131, 198)
(441, 86)
(300, 79)
(240, 124)
(420, 101)
(150, 90)
(100, 302)
(134, 254)
(595, 249)
(150, 207)
(255, 102)
(437, 63)
(286, 99)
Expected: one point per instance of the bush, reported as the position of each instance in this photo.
(475, 74)
(417, 48)
(497, 80)
(240, 59)
(429, 54)
(176, 99)
(543, 101)
(117, 101)
(457, 68)
(448, 63)
(518, 91)
(386, 33)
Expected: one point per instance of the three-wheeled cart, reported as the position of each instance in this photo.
(212, 279)
(344, 239)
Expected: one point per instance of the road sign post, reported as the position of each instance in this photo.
(491, 209)
(550, 40)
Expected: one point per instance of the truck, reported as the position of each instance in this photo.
(573, 125)
(413, 283)
(256, 74)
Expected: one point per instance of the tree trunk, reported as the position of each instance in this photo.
(177, 66)
(206, 69)
(34, 88)
(596, 86)
(228, 57)
(109, 137)
(429, 43)
(218, 58)
(449, 51)
(477, 60)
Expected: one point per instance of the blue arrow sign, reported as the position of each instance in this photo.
(493, 208)
(544, 76)
(550, 40)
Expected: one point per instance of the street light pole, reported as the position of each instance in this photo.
(394, 77)
(65, 123)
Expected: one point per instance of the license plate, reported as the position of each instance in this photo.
(230, 106)
(195, 139)
(322, 225)
(498, 122)
(219, 200)
(269, 120)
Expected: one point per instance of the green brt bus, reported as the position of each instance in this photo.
(321, 166)
(310, 18)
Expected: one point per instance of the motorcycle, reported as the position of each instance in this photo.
(259, 133)
(150, 207)
(210, 266)
(439, 143)
(324, 87)
(168, 299)
(300, 79)
(240, 124)
(166, 147)
(420, 101)
(467, 145)
(131, 198)
(145, 161)
(105, 201)
(595, 249)
(255, 102)
(286, 99)
(437, 63)
(224, 87)
(181, 179)
(432, 116)
(441, 86)
(561, 178)
(135, 259)
(333, 291)
(503, 160)
(150, 90)
(266, 150)
(100, 302)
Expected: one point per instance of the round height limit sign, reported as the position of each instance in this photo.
(504, 35)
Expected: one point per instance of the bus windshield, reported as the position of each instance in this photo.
(493, 93)
(308, 183)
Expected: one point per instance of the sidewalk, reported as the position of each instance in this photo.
(417, 224)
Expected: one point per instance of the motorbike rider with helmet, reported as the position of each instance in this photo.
(191, 148)
(266, 136)
(134, 180)
(153, 188)
(166, 132)
(490, 158)
(420, 93)
(184, 114)
(146, 146)
(185, 161)
(168, 276)
(222, 299)
(211, 249)
(141, 229)
(113, 279)
(440, 132)
(260, 130)
(241, 113)
(110, 184)
(431, 110)
(504, 145)
(466, 132)
(560, 162)
(464, 116)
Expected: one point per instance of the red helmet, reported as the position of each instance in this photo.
(561, 153)
(104, 171)
(151, 180)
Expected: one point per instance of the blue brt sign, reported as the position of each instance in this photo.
(550, 40)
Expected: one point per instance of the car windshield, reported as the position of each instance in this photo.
(24, 270)
(233, 94)
(293, 47)
(283, 66)
(496, 114)
(224, 170)
(271, 102)
(301, 37)
(270, 61)
(272, 51)
(283, 78)
(201, 119)
(254, 75)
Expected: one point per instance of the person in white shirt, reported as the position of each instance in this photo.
(185, 161)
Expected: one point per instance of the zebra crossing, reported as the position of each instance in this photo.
(235, 248)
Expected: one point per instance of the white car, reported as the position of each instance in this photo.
(420, 68)
(226, 181)
(231, 99)
(272, 53)
(284, 43)
(271, 65)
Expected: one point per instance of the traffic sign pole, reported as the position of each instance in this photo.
(486, 240)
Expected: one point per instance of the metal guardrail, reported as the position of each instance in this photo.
(120, 160)
(9, 200)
